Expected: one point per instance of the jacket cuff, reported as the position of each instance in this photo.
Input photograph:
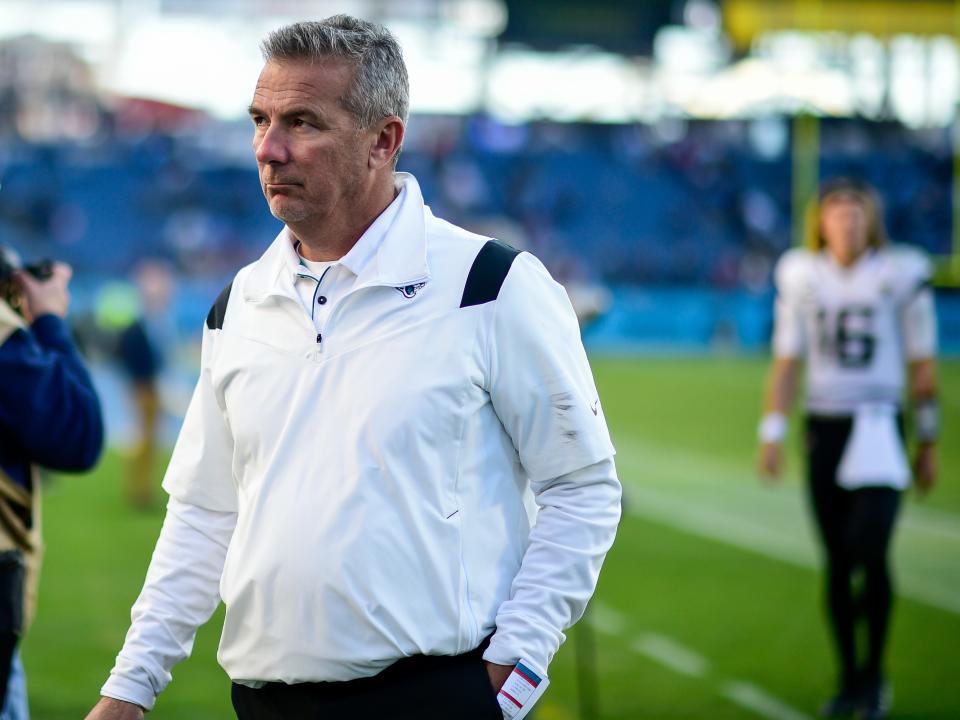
(50, 330)
(519, 639)
(129, 690)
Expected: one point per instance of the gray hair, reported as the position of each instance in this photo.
(380, 86)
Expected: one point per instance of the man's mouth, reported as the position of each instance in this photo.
(284, 188)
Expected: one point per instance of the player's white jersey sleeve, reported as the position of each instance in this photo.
(911, 268)
(920, 326)
(918, 317)
(792, 278)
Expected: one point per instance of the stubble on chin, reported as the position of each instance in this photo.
(288, 214)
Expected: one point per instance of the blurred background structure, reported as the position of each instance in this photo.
(656, 145)
(656, 155)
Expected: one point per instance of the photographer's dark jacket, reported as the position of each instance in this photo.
(49, 417)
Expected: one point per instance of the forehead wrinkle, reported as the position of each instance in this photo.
(287, 94)
(288, 104)
(306, 88)
(301, 95)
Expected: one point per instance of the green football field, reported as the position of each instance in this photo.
(709, 602)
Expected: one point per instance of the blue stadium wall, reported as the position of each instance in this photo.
(670, 320)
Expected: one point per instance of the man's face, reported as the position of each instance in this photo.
(311, 157)
(843, 221)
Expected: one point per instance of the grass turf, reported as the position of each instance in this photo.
(737, 586)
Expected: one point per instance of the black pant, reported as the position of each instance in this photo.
(855, 529)
(8, 644)
(415, 688)
(12, 578)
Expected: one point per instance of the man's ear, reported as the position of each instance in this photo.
(386, 142)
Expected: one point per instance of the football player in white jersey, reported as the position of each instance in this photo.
(859, 313)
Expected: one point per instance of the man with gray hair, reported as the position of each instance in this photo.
(395, 470)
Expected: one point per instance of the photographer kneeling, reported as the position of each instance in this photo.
(49, 417)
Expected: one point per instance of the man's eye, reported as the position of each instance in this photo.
(259, 120)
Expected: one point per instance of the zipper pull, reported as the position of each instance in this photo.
(319, 338)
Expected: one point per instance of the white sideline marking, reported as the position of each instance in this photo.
(759, 701)
(748, 534)
(671, 654)
(693, 494)
(605, 619)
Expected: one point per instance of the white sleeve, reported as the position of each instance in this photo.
(179, 595)
(789, 337)
(575, 528)
(919, 320)
(789, 334)
(200, 471)
(539, 378)
(543, 392)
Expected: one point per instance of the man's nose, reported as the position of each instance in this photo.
(271, 146)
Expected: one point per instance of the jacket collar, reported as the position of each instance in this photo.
(392, 251)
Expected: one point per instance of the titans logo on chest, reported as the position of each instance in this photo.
(409, 291)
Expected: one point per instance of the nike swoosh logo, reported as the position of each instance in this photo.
(596, 406)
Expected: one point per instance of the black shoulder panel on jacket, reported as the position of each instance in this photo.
(219, 309)
(487, 273)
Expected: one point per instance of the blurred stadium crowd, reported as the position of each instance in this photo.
(104, 182)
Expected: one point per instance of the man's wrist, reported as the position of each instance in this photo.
(773, 427)
(114, 700)
(129, 690)
(926, 420)
(520, 691)
(110, 700)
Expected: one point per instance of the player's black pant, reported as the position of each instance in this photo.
(855, 528)
(415, 688)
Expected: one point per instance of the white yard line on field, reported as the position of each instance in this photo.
(669, 653)
(605, 619)
(761, 702)
(694, 494)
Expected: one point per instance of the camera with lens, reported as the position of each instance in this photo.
(10, 264)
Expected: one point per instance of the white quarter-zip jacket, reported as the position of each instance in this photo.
(426, 465)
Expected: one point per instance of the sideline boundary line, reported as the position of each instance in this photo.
(751, 697)
(754, 520)
(669, 653)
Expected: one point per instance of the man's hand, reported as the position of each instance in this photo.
(925, 467)
(770, 461)
(498, 674)
(110, 709)
(43, 297)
